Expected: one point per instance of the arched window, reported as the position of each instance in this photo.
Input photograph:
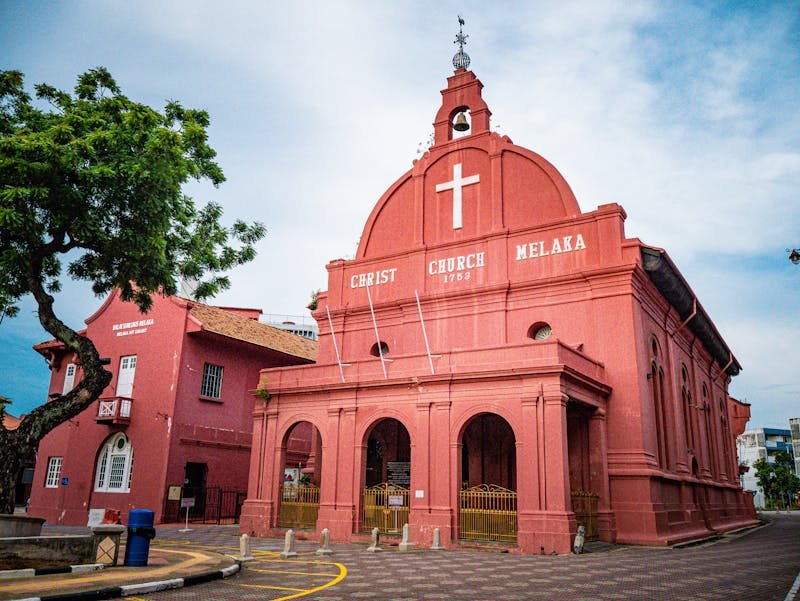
(115, 465)
(658, 394)
(727, 439)
(540, 331)
(686, 398)
(710, 434)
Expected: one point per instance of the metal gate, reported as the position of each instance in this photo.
(488, 513)
(299, 506)
(584, 504)
(212, 505)
(385, 507)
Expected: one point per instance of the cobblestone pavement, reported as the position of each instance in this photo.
(761, 565)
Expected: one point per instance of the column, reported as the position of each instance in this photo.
(528, 484)
(443, 477)
(598, 475)
(259, 510)
(337, 505)
(559, 520)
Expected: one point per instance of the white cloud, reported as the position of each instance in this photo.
(678, 114)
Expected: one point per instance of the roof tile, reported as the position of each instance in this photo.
(231, 325)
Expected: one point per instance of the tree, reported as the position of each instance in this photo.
(94, 180)
(777, 480)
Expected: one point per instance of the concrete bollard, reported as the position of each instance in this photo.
(437, 540)
(405, 544)
(288, 546)
(324, 543)
(245, 548)
(376, 537)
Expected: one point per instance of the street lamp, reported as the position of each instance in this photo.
(794, 256)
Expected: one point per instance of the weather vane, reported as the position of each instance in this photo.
(461, 59)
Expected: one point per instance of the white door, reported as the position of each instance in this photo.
(127, 369)
(69, 378)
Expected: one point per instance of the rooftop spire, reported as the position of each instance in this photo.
(461, 59)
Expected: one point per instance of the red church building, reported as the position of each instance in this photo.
(501, 366)
(176, 419)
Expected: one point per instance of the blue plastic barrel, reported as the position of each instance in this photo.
(140, 531)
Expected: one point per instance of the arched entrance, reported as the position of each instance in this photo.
(488, 497)
(302, 467)
(387, 477)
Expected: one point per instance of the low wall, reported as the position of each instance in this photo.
(61, 550)
(19, 525)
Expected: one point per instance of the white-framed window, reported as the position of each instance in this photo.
(127, 370)
(69, 378)
(115, 465)
(53, 472)
(212, 381)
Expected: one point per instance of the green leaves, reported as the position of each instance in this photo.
(777, 480)
(100, 176)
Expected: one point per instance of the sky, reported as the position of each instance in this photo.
(685, 113)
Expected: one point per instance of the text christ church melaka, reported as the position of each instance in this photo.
(500, 366)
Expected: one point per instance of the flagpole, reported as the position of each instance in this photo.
(377, 336)
(424, 334)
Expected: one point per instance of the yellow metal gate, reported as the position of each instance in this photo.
(584, 504)
(488, 513)
(385, 507)
(299, 506)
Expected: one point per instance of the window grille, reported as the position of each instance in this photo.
(115, 465)
(212, 381)
(117, 471)
(53, 472)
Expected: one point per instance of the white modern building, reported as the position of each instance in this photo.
(296, 324)
(763, 443)
(794, 428)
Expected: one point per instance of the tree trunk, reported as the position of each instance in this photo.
(12, 459)
(17, 445)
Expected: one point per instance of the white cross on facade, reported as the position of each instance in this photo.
(456, 185)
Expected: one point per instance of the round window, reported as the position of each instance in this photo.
(376, 351)
(120, 443)
(543, 333)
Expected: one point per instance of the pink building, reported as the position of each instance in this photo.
(497, 364)
(178, 411)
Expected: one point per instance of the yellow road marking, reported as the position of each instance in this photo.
(33, 584)
(317, 563)
(298, 573)
(337, 580)
(299, 592)
(274, 588)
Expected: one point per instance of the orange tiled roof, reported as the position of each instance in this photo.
(235, 326)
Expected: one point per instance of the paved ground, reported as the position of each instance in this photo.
(759, 566)
(165, 563)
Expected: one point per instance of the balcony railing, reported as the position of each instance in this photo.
(114, 410)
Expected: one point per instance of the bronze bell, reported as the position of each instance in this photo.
(461, 123)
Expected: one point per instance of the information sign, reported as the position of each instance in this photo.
(398, 472)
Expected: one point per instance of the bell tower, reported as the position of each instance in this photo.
(463, 95)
